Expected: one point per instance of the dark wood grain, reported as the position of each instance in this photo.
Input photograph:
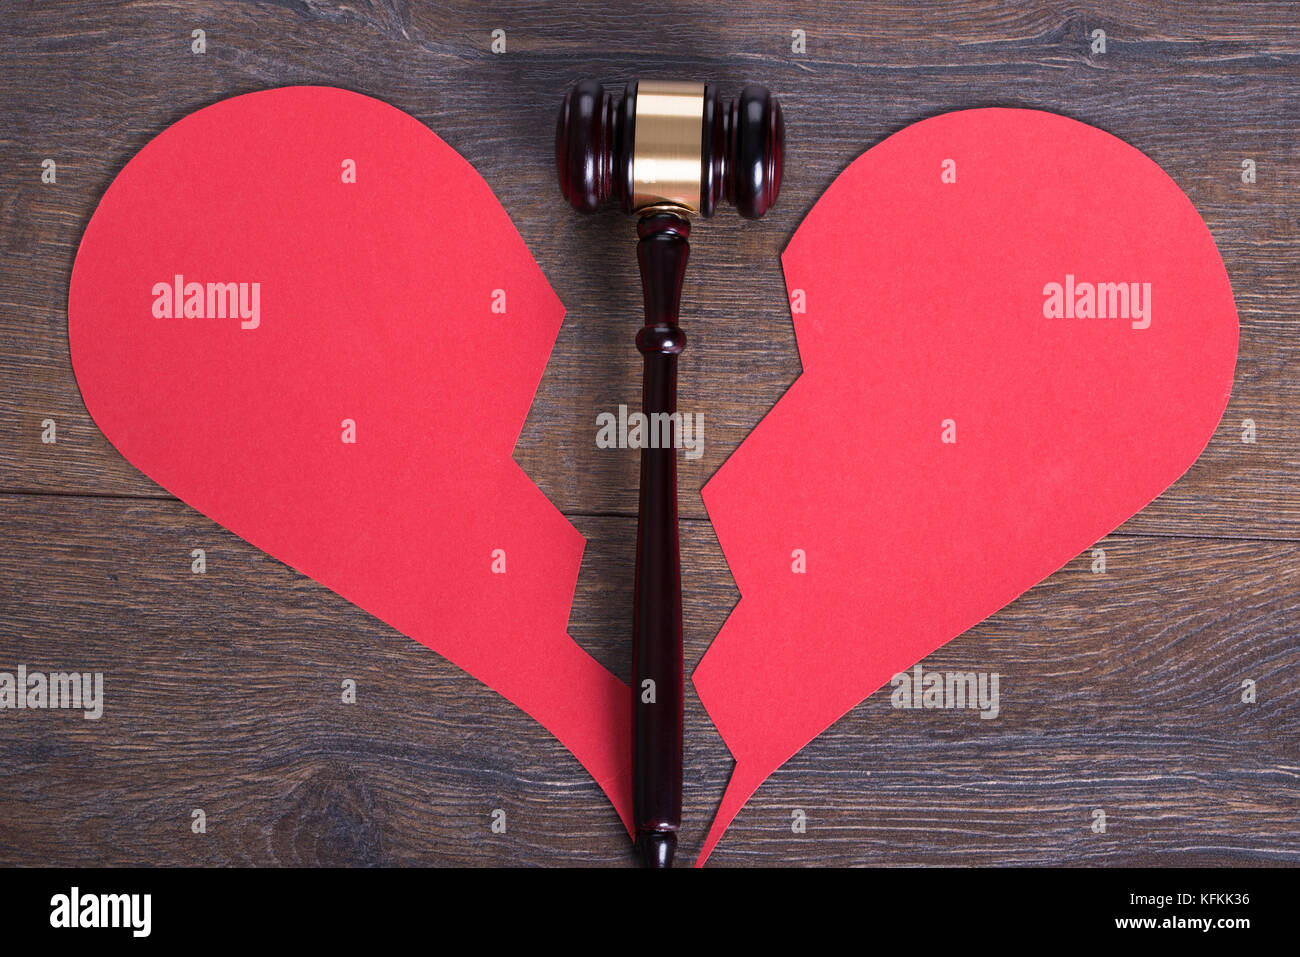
(1119, 691)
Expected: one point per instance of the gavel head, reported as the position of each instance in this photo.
(672, 147)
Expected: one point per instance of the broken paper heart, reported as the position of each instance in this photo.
(1015, 332)
(303, 314)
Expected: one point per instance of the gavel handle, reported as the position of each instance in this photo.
(657, 617)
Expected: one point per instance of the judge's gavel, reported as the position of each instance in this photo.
(667, 152)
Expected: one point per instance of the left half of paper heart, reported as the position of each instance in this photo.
(306, 316)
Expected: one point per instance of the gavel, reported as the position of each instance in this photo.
(666, 152)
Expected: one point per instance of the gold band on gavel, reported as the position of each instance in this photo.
(666, 160)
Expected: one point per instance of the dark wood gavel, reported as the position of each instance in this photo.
(667, 152)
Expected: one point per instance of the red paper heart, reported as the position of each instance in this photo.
(393, 292)
(925, 273)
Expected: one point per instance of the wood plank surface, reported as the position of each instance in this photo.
(1120, 691)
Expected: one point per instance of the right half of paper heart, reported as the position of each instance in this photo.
(1016, 332)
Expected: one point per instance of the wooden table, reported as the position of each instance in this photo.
(1120, 692)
